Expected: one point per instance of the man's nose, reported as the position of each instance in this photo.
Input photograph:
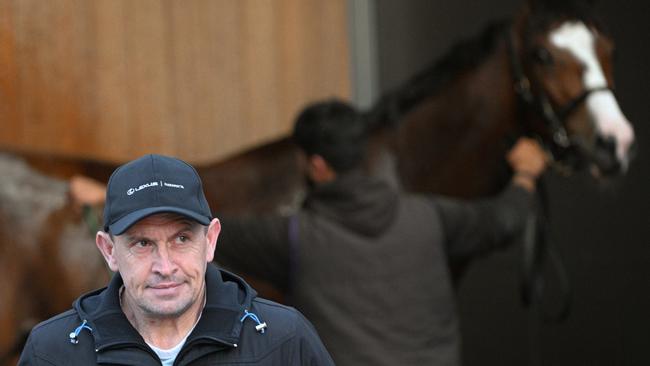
(163, 260)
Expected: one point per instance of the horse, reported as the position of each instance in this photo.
(547, 73)
(46, 252)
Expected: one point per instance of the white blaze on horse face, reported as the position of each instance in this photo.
(602, 105)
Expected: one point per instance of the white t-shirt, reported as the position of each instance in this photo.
(167, 356)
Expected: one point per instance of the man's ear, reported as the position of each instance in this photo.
(107, 248)
(319, 169)
(212, 235)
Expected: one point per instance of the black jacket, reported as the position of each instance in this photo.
(220, 337)
(369, 266)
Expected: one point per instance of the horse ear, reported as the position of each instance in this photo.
(535, 5)
(319, 170)
(590, 4)
(522, 16)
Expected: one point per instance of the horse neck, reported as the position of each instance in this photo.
(454, 142)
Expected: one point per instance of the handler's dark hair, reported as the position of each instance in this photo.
(334, 130)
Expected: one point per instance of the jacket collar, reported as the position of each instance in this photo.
(357, 201)
(227, 298)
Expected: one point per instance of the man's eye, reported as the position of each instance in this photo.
(183, 239)
(142, 244)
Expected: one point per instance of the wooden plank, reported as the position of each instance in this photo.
(200, 79)
(9, 103)
(148, 90)
(110, 80)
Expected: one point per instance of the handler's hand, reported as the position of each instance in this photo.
(86, 191)
(528, 161)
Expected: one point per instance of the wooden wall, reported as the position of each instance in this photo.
(113, 79)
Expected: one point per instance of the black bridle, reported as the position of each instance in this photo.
(536, 249)
(554, 118)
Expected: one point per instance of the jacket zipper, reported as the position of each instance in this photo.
(119, 345)
(201, 340)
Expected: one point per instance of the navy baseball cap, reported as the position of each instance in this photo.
(153, 184)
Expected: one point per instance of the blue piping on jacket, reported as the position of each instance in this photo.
(260, 326)
(74, 335)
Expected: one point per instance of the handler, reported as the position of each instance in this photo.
(367, 264)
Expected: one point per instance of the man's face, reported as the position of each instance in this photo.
(162, 260)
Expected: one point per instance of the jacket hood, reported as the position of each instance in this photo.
(228, 298)
(361, 203)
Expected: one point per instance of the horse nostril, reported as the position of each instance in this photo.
(605, 158)
(606, 143)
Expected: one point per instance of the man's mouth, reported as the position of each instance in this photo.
(166, 288)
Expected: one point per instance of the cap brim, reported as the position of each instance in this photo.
(123, 224)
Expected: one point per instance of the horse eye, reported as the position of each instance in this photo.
(542, 56)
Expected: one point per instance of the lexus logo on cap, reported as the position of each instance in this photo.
(131, 191)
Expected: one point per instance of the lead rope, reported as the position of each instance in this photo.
(535, 246)
(536, 250)
(542, 252)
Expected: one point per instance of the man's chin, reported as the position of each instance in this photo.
(166, 308)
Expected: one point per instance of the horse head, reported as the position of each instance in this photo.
(546, 73)
(561, 59)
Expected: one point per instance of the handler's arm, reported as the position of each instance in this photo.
(255, 246)
(475, 228)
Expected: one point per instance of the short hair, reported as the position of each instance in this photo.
(334, 130)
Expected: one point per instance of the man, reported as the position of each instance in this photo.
(367, 264)
(165, 304)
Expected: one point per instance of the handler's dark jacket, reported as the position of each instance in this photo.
(370, 267)
(219, 338)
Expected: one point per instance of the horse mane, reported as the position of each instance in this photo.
(469, 53)
(461, 57)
